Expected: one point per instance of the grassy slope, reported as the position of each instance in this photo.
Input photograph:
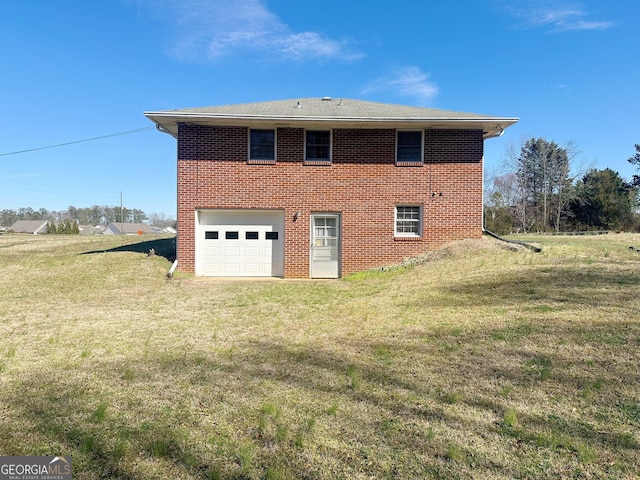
(482, 362)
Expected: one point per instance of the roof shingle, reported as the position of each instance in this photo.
(307, 111)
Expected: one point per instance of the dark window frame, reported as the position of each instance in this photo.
(409, 149)
(317, 147)
(262, 144)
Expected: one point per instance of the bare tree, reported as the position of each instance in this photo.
(544, 185)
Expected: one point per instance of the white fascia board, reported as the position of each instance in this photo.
(491, 126)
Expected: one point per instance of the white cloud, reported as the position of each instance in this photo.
(556, 17)
(407, 82)
(312, 45)
(586, 25)
(214, 29)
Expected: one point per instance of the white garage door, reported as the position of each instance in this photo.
(240, 243)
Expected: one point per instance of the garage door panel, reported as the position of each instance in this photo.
(253, 252)
(252, 268)
(208, 218)
(231, 251)
(212, 269)
(231, 268)
(212, 251)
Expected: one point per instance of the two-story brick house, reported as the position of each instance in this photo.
(321, 187)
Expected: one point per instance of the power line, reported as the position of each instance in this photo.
(128, 132)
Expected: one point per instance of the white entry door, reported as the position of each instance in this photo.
(325, 245)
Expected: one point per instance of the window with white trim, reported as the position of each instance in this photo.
(262, 144)
(317, 146)
(408, 221)
(409, 147)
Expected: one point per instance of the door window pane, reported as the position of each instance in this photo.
(326, 231)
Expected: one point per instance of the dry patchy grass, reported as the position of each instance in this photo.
(478, 361)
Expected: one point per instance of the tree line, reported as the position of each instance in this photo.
(94, 215)
(543, 191)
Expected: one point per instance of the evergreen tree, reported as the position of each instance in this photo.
(137, 216)
(498, 216)
(635, 160)
(8, 217)
(542, 169)
(67, 226)
(605, 201)
(95, 215)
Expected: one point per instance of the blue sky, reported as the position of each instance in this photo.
(75, 70)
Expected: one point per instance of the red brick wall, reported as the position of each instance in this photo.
(362, 183)
(197, 142)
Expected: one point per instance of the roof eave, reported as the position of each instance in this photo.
(167, 122)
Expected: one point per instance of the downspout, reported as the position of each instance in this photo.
(491, 234)
(501, 132)
(173, 268)
(482, 215)
(515, 242)
(161, 128)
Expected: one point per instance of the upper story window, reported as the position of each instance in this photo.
(317, 146)
(408, 221)
(262, 144)
(409, 148)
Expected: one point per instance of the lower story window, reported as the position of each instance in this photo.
(408, 221)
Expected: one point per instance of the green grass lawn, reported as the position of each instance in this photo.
(482, 361)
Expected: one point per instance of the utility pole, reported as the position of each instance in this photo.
(121, 216)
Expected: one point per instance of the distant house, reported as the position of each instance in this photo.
(90, 230)
(33, 227)
(117, 228)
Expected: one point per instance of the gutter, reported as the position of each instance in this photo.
(248, 116)
(161, 128)
(491, 126)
